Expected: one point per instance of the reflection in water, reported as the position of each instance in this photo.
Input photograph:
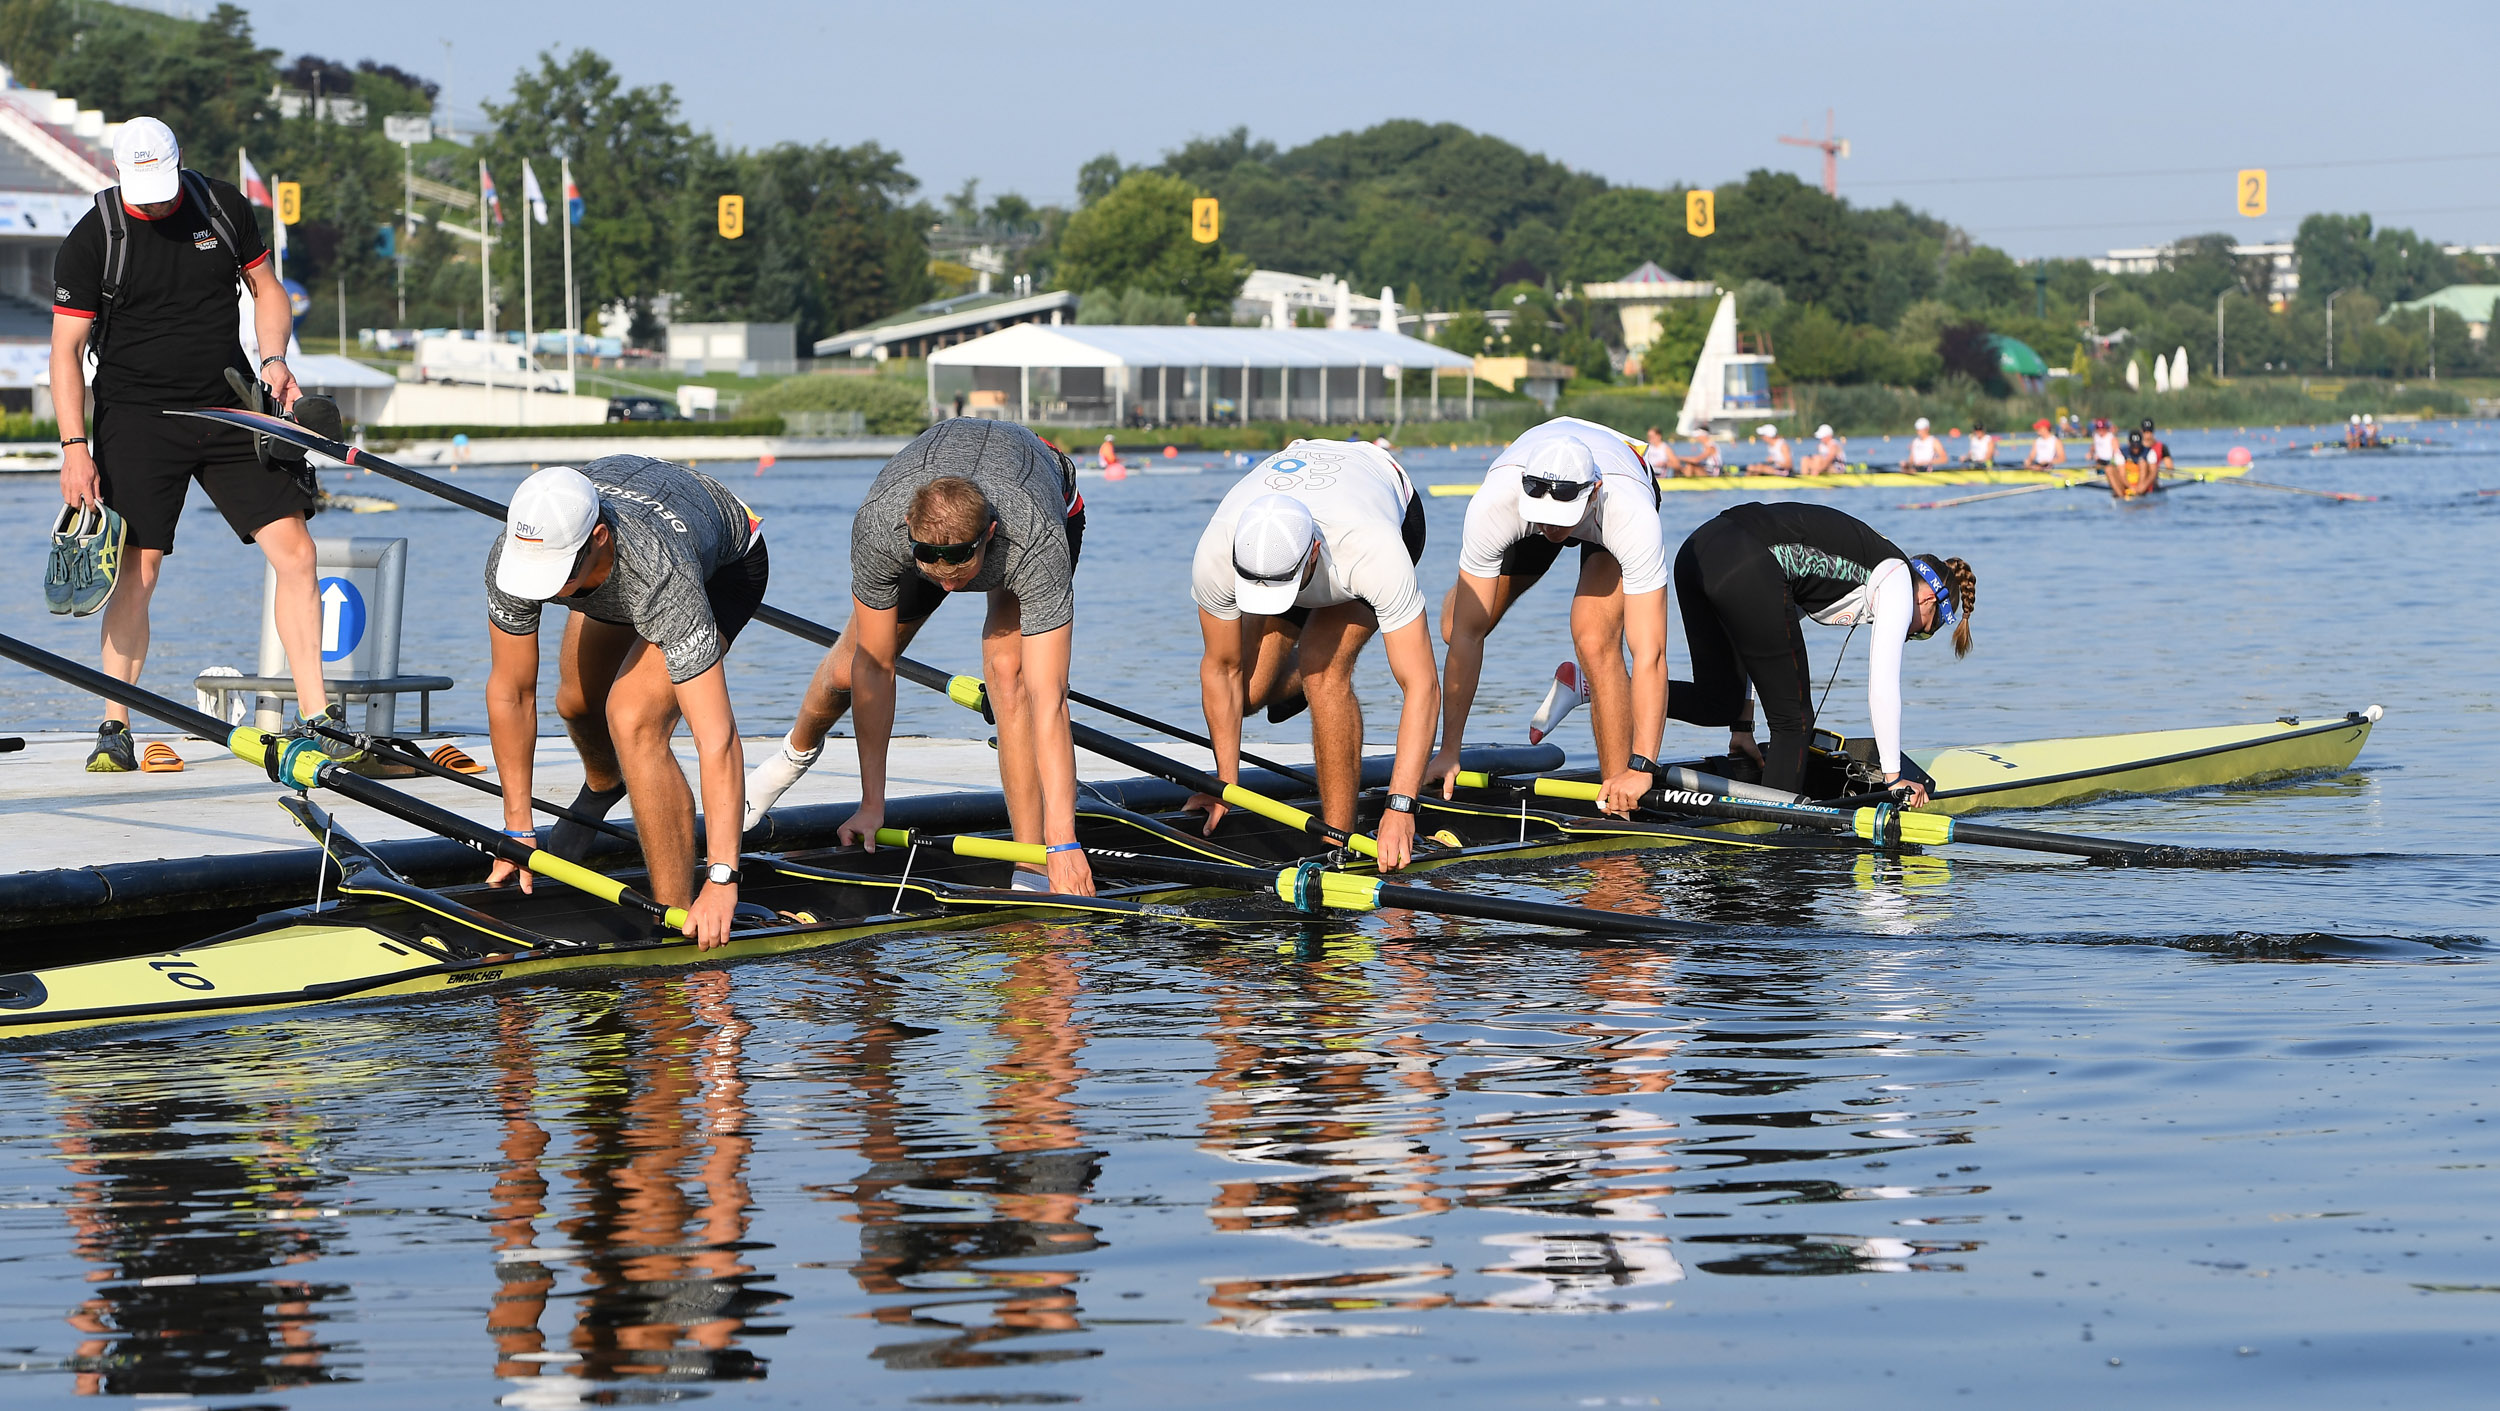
(652, 1220)
(187, 1204)
(936, 1211)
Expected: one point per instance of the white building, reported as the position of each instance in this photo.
(1166, 374)
(744, 348)
(2145, 259)
(1272, 298)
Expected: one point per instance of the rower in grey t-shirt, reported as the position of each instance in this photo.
(1029, 489)
(674, 529)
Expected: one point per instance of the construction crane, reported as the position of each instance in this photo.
(1834, 148)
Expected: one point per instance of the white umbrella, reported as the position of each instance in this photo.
(2135, 377)
(2178, 370)
(2161, 373)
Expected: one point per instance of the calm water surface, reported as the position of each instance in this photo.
(1980, 1125)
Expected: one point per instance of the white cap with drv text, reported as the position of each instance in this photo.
(544, 529)
(1562, 472)
(149, 162)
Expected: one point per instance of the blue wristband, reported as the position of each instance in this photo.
(517, 834)
(1064, 847)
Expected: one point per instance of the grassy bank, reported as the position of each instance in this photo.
(382, 438)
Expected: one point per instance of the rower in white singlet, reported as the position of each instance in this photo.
(1926, 449)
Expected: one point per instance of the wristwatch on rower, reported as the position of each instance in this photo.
(1402, 803)
(721, 874)
(1645, 765)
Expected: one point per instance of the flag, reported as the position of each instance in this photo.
(532, 194)
(572, 196)
(486, 188)
(254, 189)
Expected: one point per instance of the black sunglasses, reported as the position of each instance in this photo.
(1561, 491)
(948, 553)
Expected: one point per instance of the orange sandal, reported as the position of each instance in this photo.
(159, 758)
(453, 757)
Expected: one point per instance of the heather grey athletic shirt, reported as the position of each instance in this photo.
(1027, 490)
(674, 529)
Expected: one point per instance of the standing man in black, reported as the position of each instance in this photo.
(158, 315)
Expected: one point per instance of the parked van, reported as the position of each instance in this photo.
(470, 360)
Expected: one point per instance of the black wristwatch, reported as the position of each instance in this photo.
(1645, 764)
(721, 874)
(1402, 803)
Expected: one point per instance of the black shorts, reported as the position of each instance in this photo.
(1528, 560)
(146, 462)
(1410, 529)
(735, 590)
(919, 597)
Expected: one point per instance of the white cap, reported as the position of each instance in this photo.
(1566, 462)
(2365, 419)
(1822, 431)
(1271, 542)
(148, 160)
(550, 518)
(1766, 429)
(1921, 424)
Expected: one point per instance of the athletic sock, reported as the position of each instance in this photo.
(773, 777)
(1567, 694)
(570, 840)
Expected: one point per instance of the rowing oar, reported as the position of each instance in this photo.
(1311, 888)
(1991, 495)
(1886, 824)
(2286, 489)
(299, 764)
(365, 460)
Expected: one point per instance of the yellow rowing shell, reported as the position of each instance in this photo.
(1877, 479)
(2042, 773)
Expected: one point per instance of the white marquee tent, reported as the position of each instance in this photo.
(1116, 374)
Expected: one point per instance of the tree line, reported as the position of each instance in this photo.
(1449, 218)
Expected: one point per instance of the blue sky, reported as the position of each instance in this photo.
(2045, 130)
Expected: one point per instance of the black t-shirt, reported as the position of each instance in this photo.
(1827, 555)
(174, 329)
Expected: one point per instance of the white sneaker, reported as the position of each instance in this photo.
(1567, 694)
(773, 778)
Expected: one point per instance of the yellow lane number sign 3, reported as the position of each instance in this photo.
(733, 217)
(290, 201)
(1205, 221)
(1701, 212)
(2252, 191)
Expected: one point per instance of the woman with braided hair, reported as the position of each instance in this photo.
(1744, 580)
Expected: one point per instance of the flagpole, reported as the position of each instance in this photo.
(529, 313)
(572, 314)
(486, 279)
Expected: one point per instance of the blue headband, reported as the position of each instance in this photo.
(1945, 605)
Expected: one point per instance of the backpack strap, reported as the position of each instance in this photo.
(116, 222)
(195, 186)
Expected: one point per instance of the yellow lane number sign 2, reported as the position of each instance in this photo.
(1701, 212)
(733, 217)
(2252, 192)
(1205, 221)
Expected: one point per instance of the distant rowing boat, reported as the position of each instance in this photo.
(1866, 479)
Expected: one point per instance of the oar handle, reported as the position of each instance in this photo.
(971, 694)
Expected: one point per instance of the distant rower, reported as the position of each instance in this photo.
(2047, 448)
(1982, 448)
(1777, 459)
(2104, 443)
(1926, 449)
(1830, 453)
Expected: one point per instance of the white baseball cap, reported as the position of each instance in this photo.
(1271, 543)
(1766, 429)
(1560, 463)
(148, 160)
(1822, 431)
(549, 521)
(1921, 424)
